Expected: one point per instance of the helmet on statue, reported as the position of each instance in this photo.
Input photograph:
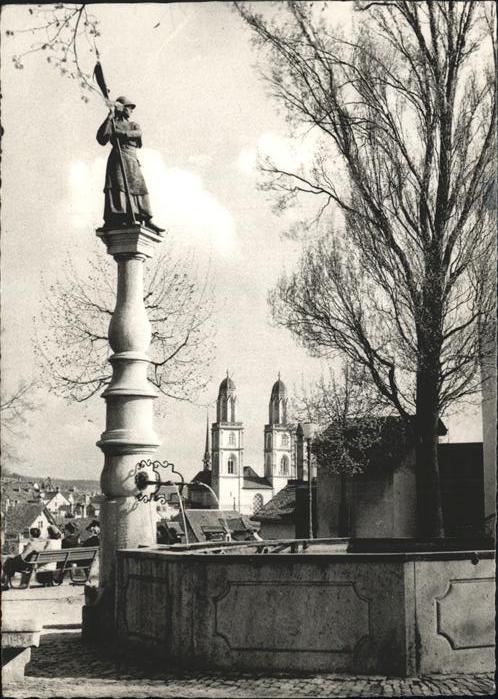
(126, 102)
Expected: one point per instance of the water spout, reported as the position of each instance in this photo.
(227, 528)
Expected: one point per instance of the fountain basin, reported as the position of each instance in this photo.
(326, 609)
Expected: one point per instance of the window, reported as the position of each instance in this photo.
(231, 464)
(285, 440)
(257, 503)
(284, 466)
(231, 439)
(40, 524)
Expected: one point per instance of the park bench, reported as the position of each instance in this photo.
(77, 562)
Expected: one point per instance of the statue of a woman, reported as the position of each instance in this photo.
(129, 136)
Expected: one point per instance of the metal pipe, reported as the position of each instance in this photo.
(182, 510)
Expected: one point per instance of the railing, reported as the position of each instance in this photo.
(334, 545)
(258, 546)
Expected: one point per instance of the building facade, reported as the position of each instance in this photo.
(227, 448)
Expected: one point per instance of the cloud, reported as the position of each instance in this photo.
(185, 206)
(179, 199)
(286, 153)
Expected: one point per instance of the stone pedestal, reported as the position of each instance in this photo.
(18, 637)
(129, 436)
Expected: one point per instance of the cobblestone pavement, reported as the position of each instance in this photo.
(63, 666)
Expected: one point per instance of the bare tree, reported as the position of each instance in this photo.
(72, 341)
(62, 32)
(333, 403)
(406, 115)
(15, 408)
(66, 35)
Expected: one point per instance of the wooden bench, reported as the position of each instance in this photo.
(77, 561)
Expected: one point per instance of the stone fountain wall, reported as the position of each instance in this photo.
(400, 614)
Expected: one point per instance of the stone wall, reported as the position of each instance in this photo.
(382, 503)
(401, 614)
(277, 529)
(328, 499)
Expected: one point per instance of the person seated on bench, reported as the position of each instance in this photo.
(54, 541)
(71, 541)
(19, 564)
(94, 538)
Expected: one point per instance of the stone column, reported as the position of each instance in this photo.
(129, 436)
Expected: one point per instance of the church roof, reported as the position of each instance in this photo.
(252, 480)
(226, 385)
(281, 507)
(279, 389)
(203, 476)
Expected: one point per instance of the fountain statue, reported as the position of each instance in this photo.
(129, 436)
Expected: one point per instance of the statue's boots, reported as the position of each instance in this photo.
(152, 227)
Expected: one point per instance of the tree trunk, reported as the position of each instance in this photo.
(429, 509)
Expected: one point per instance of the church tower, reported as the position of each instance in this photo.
(278, 451)
(227, 448)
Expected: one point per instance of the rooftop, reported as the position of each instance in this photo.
(280, 507)
(279, 389)
(252, 480)
(202, 523)
(227, 385)
(203, 476)
(22, 516)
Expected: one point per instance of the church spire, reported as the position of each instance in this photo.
(207, 454)
(225, 405)
(278, 403)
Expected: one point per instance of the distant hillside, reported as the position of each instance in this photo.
(63, 483)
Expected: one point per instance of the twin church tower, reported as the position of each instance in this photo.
(239, 487)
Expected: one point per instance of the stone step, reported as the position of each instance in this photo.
(18, 637)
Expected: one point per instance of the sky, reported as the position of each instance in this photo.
(205, 115)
